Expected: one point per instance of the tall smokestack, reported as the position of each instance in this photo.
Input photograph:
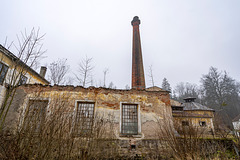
(138, 80)
(43, 71)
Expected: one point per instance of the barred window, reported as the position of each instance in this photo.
(3, 72)
(35, 115)
(129, 119)
(84, 119)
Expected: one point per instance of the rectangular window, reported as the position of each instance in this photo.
(22, 80)
(129, 119)
(3, 72)
(84, 119)
(35, 115)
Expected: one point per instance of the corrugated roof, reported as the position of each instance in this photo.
(195, 106)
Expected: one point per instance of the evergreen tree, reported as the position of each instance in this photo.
(166, 85)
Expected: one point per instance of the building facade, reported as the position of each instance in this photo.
(136, 114)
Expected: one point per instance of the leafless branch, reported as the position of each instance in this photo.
(58, 70)
(85, 69)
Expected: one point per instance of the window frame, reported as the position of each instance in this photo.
(139, 129)
(76, 133)
(27, 110)
(1, 70)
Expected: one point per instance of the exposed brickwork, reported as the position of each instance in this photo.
(138, 80)
(153, 104)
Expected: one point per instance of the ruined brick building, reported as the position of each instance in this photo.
(136, 113)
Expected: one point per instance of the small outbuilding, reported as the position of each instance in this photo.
(191, 113)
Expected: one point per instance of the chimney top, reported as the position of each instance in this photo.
(135, 21)
(43, 71)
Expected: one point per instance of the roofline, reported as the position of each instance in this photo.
(15, 58)
(90, 88)
(199, 110)
(176, 106)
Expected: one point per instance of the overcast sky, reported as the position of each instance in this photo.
(181, 39)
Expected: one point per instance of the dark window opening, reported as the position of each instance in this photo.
(3, 72)
(84, 119)
(185, 123)
(177, 108)
(129, 119)
(202, 123)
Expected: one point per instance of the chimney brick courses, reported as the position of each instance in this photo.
(138, 80)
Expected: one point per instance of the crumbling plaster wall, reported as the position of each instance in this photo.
(154, 106)
(13, 117)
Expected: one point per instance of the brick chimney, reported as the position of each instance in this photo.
(138, 80)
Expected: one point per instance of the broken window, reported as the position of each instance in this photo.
(185, 123)
(22, 80)
(129, 119)
(3, 72)
(35, 115)
(202, 123)
(84, 119)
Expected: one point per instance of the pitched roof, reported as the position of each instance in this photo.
(15, 58)
(195, 106)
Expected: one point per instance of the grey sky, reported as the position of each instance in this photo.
(180, 39)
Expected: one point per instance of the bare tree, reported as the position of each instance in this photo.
(219, 89)
(151, 75)
(29, 51)
(58, 70)
(5, 43)
(49, 135)
(105, 71)
(187, 141)
(183, 90)
(221, 92)
(85, 68)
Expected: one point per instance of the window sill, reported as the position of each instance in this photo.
(139, 135)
